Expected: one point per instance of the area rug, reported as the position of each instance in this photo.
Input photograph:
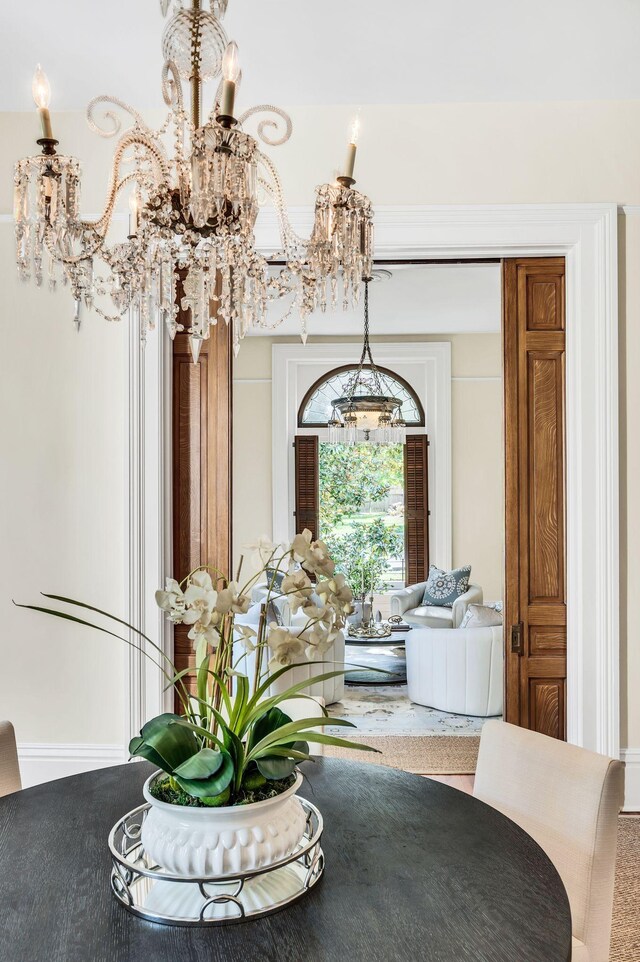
(625, 933)
(421, 755)
(386, 710)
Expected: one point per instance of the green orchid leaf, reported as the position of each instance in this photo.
(282, 752)
(212, 786)
(323, 739)
(202, 765)
(260, 707)
(284, 735)
(268, 722)
(168, 736)
(236, 749)
(138, 748)
(275, 768)
(283, 761)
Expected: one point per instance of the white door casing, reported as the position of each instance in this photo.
(586, 235)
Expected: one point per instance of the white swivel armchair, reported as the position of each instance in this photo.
(407, 602)
(459, 671)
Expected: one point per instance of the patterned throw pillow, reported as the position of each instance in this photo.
(482, 616)
(443, 587)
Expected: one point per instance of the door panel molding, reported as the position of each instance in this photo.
(535, 492)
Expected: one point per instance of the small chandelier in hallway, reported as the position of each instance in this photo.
(366, 413)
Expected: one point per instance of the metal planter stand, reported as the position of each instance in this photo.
(146, 890)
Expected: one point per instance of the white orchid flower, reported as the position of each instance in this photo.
(262, 549)
(172, 600)
(301, 546)
(230, 599)
(313, 612)
(199, 597)
(285, 646)
(247, 634)
(201, 631)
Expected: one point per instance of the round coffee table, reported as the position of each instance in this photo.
(379, 659)
(414, 870)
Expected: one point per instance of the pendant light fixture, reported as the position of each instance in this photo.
(366, 413)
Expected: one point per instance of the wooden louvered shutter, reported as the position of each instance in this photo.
(416, 508)
(307, 484)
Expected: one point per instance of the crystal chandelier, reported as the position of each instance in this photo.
(366, 413)
(195, 186)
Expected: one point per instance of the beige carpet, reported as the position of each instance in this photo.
(422, 755)
(457, 755)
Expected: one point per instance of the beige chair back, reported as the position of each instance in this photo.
(9, 770)
(568, 800)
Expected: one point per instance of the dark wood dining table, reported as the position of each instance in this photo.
(415, 870)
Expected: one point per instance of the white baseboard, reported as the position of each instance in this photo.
(631, 759)
(44, 762)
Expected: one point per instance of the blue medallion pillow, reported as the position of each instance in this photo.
(444, 587)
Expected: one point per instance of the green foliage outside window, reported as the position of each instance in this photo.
(354, 479)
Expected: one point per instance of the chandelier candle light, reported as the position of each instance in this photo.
(366, 413)
(195, 187)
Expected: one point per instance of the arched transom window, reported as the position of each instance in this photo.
(316, 406)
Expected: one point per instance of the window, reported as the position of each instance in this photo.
(316, 406)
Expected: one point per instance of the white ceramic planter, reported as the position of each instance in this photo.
(225, 841)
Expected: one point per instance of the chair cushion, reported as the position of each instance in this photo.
(429, 617)
(443, 587)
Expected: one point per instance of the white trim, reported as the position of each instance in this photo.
(149, 521)
(465, 378)
(586, 234)
(631, 759)
(44, 762)
(434, 392)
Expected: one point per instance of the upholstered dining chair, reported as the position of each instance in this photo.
(9, 770)
(568, 799)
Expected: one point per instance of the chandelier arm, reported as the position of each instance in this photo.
(292, 241)
(172, 87)
(130, 139)
(109, 115)
(262, 126)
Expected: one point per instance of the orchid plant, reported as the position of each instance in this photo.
(231, 738)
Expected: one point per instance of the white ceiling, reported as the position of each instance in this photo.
(423, 299)
(336, 51)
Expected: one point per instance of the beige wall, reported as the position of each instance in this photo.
(477, 493)
(433, 154)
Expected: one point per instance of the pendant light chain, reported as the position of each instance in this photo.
(373, 375)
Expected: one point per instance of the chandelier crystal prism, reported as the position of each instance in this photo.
(365, 412)
(195, 188)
